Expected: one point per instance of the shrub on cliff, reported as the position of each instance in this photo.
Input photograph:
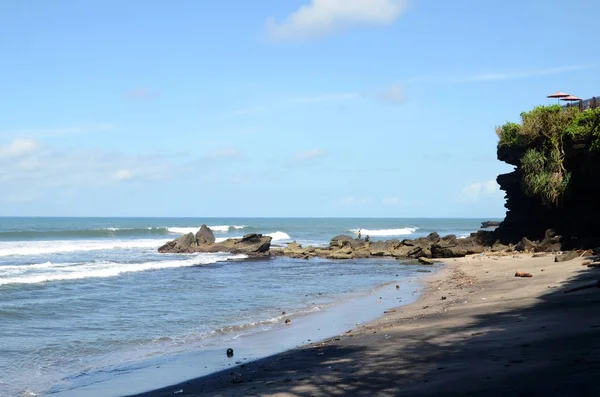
(541, 138)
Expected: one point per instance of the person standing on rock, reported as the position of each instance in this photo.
(359, 234)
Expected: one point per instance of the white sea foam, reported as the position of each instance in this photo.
(279, 236)
(226, 228)
(385, 232)
(114, 229)
(21, 248)
(217, 228)
(464, 236)
(43, 272)
(183, 230)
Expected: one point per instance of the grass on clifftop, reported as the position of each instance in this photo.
(551, 123)
(542, 135)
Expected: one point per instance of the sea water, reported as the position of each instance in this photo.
(89, 301)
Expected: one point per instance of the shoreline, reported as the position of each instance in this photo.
(327, 322)
(492, 333)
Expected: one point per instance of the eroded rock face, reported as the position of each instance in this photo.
(182, 244)
(205, 236)
(576, 219)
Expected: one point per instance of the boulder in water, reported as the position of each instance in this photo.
(205, 236)
(183, 244)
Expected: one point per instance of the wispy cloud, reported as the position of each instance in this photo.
(393, 94)
(521, 74)
(338, 96)
(477, 191)
(500, 75)
(141, 94)
(352, 201)
(324, 17)
(308, 156)
(225, 153)
(123, 175)
(31, 166)
(18, 148)
(391, 201)
(250, 110)
(298, 101)
(49, 132)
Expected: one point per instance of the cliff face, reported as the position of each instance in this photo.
(577, 219)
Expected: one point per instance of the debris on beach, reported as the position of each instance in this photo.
(287, 321)
(229, 352)
(390, 311)
(523, 274)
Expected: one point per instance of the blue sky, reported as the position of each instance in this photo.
(381, 108)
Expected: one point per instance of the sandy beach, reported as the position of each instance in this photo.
(476, 330)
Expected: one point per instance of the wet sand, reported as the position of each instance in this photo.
(477, 330)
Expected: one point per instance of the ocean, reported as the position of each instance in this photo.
(88, 304)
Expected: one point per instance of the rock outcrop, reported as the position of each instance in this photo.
(577, 217)
(205, 236)
(432, 246)
(489, 224)
(346, 247)
(204, 241)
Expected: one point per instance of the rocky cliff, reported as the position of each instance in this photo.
(576, 216)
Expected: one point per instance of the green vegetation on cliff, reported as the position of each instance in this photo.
(541, 138)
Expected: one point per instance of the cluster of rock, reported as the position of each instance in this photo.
(347, 247)
(204, 241)
(489, 224)
(432, 246)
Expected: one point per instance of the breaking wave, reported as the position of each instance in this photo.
(278, 236)
(48, 271)
(217, 229)
(385, 232)
(22, 248)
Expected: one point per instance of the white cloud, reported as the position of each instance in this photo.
(309, 155)
(394, 94)
(323, 17)
(123, 175)
(18, 148)
(29, 169)
(476, 191)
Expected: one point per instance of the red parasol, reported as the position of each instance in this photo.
(570, 98)
(558, 94)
